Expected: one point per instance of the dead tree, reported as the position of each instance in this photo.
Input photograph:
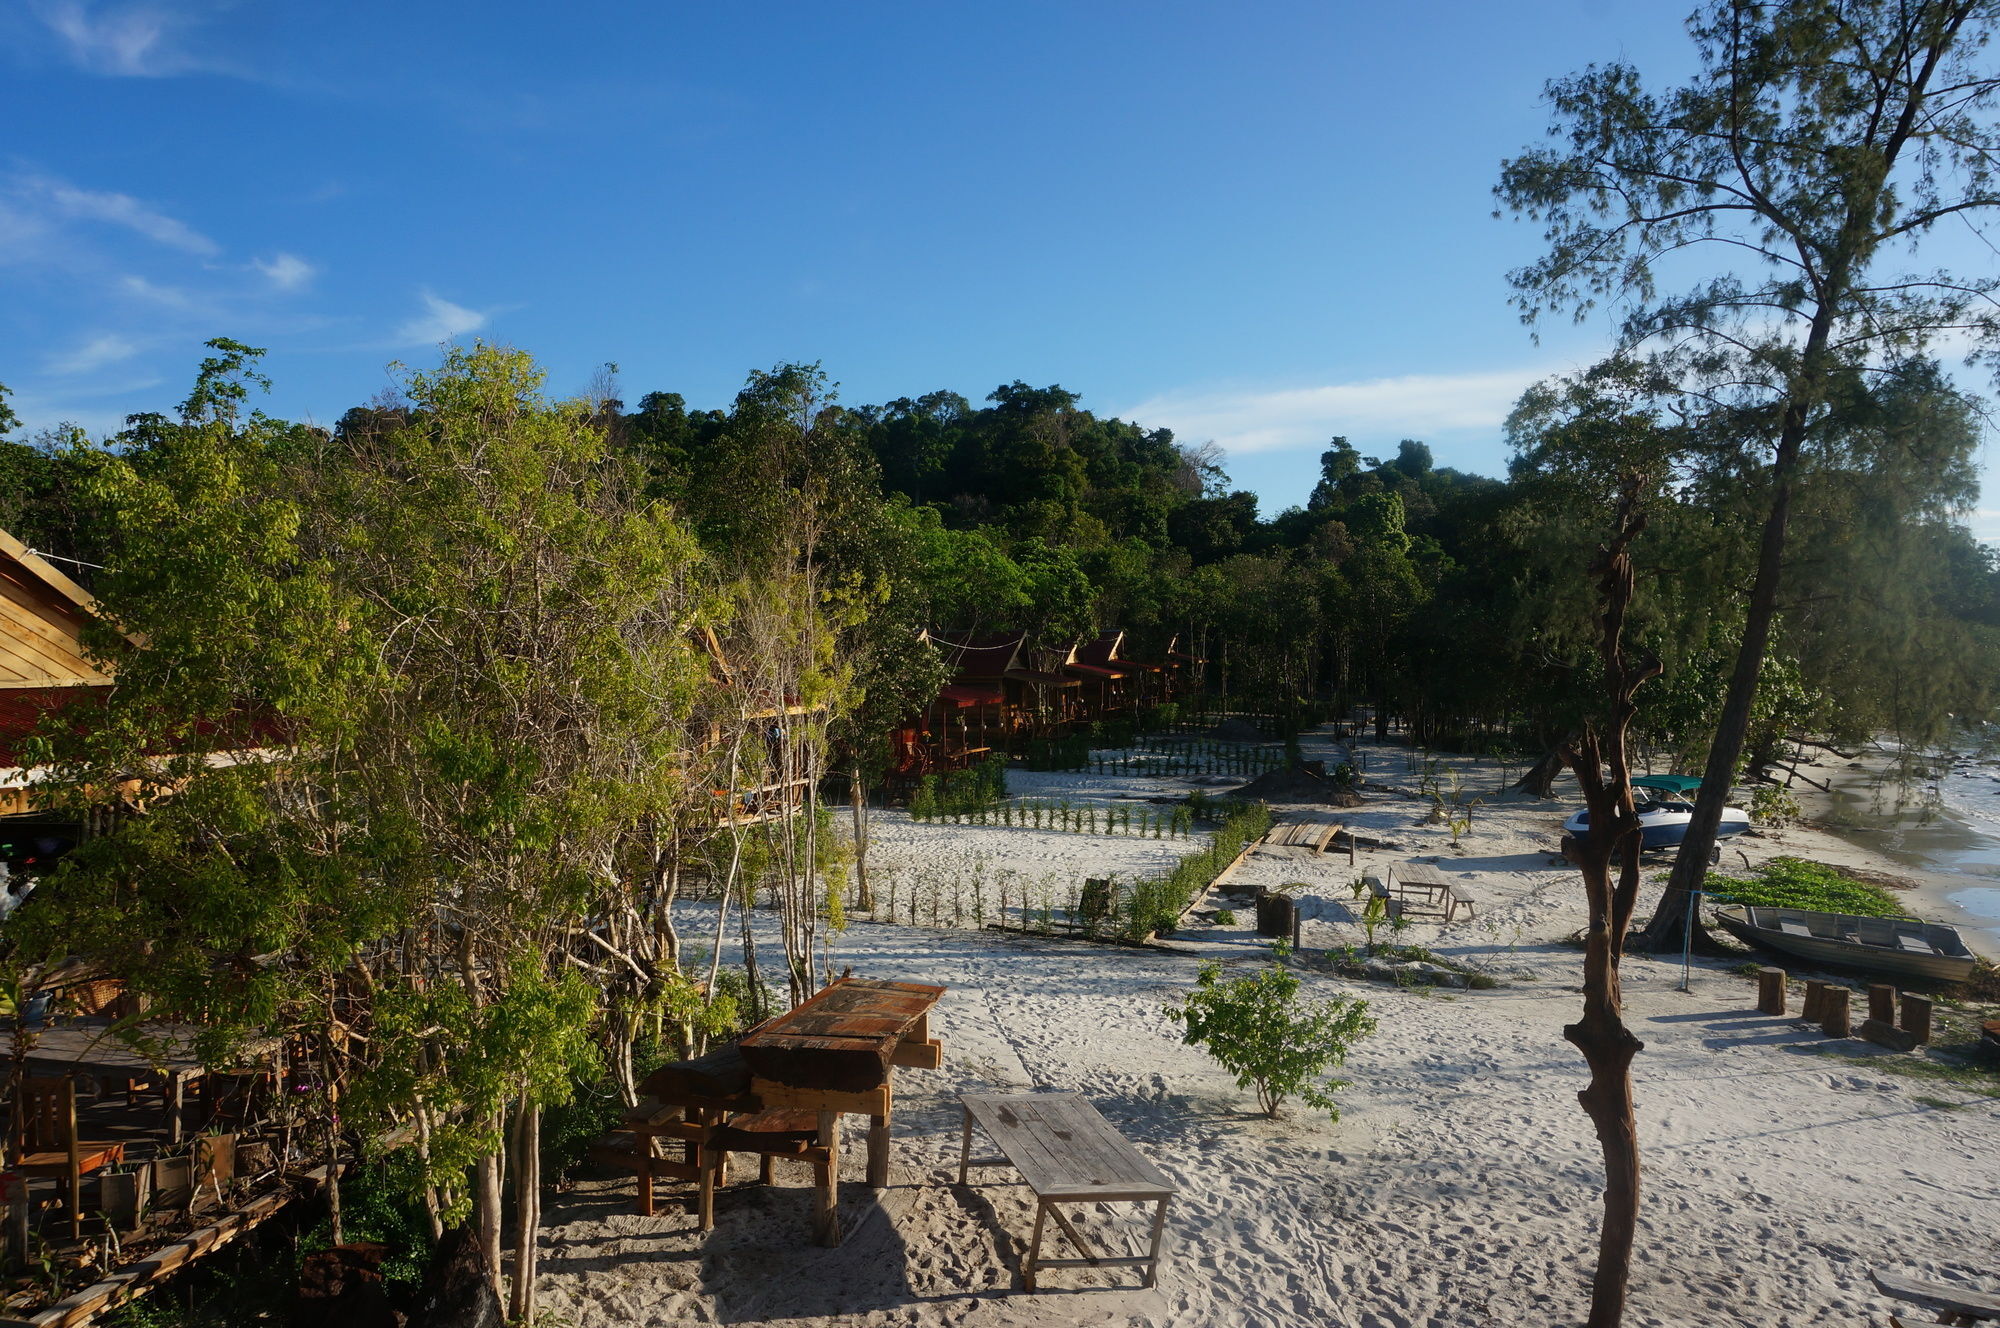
(1612, 838)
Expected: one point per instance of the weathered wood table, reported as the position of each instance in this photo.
(89, 1047)
(1067, 1153)
(834, 1054)
(1421, 888)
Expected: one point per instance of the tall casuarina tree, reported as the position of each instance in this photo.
(1819, 148)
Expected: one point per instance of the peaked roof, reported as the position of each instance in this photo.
(42, 616)
(979, 656)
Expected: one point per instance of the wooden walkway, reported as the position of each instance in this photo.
(1314, 832)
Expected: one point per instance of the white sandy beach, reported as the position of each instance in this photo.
(1459, 1187)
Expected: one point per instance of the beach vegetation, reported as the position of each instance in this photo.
(1788, 882)
(1259, 1029)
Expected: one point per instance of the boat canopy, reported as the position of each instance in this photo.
(1681, 784)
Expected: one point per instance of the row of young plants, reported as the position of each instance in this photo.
(961, 794)
(1073, 818)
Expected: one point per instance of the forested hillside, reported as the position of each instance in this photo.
(1453, 601)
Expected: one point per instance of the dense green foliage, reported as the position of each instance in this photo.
(1796, 883)
(1258, 1029)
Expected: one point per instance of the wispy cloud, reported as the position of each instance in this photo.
(171, 296)
(61, 199)
(441, 320)
(122, 38)
(1413, 405)
(92, 355)
(286, 272)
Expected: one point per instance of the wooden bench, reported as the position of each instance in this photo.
(1068, 1154)
(1952, 1304)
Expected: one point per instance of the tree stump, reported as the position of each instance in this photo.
(1887, 1035)
(1814, 1008)
(1771, 990)
(1917, 1017)
(1833, 1019)
(1882, 1003)
(458, 1287)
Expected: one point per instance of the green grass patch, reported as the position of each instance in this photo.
(1796, 883)
(1966, 1078)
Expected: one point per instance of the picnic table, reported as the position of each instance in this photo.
(89, 1047)
(1421, 890)
(1067, 1153)
(834, 1054)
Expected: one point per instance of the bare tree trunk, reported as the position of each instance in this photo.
(486, 1211)
(865, 896)
(1669, 921)
(1608, 1046)
(1540, 779)
(527, 1208)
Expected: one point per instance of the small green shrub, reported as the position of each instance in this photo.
(1796, 883)
(1773, 804)
(1225, 917)
(1258, 1029)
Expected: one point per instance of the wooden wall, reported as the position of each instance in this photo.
(41, 619)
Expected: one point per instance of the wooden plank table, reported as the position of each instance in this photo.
(1436, 895)
(834, 1054)
(1068, 1153)
(89, 1047)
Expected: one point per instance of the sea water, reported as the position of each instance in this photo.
(1937, 811)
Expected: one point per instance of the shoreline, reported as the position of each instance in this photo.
(1953, 861)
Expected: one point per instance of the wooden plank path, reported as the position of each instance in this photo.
(1313, 832)
(1068, 1153)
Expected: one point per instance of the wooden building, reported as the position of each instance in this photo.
(43, 666)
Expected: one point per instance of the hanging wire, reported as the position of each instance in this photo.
(56, 557)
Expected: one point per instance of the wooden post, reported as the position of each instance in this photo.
(878, 1152)
(1833, 1014)
(1882, 1002)
(74, 1173)
(1814, 1008)
(1771, 990)
(826, 1182)
(1917, 1017)
(14, 1190)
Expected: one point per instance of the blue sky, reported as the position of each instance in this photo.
(1263, 224)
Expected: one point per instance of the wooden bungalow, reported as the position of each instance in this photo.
(1109, 686)
(782, 757)
(43, 669)
(970, 718)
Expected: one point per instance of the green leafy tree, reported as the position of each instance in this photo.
(1818, 139)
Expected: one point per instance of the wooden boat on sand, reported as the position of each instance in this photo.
(1902, 946)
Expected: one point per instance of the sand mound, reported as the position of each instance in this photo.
(1306, 782)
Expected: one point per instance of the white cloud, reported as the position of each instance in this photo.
(62, 199)
(286, 272)
(119, 40)
(441, 320)
(93, 354)
(170, 296)
(1412, 406)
